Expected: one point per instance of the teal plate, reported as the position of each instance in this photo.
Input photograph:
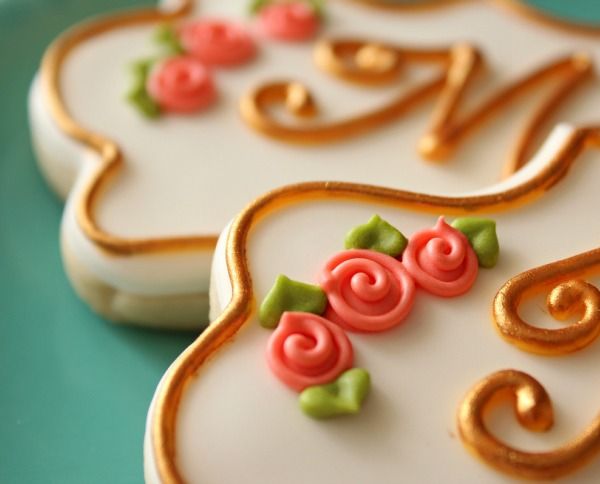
(75, 389)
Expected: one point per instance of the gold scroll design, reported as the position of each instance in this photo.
(533, 409)
(223, 330)
(569, 296)
(372, 64)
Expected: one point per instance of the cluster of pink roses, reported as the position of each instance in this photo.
(183, 82)
(367, 291)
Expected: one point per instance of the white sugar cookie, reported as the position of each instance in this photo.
(145, 198)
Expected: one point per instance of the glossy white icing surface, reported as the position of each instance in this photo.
(238, 423)
(189, 174)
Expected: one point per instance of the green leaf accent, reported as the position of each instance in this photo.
(165, 35)
(377, 235)
(138, 95)
(257, 5)
(289, 295)
(482, 236)
(318, 6)
(342, 397)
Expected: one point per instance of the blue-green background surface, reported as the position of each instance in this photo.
(74, 389)
(585, 12)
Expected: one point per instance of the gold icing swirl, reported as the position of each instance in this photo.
(533, 409)
(367, 63)
(569, 296)
(354, 61)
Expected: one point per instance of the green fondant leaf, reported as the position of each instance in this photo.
(318, 7)
(144, 103)
(141, 68)
(257, 5)
(138, 95)
(344, 396)
(289, 295)
(481, 233)
(377, 235)
(165, 35)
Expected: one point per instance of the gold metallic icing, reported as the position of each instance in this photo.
(533, 409)
(569, 295)
(379, 66)
(366, 63)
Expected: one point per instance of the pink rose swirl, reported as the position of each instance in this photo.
(181, 84)
(306, 350)
(441, 260)
(217, 42)
(367, 290)
(292, 21)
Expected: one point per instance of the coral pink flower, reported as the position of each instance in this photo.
(441, 260)
(307, 350)
(217, 42)
(181, 84)
(367, 290)
(290, 21)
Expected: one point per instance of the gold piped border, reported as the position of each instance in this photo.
(111, 156)
(223, 330)
(163, 425)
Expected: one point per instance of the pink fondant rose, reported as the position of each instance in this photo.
(367, 290)
(441, 260)
(217, 42)
(181, 84)
(291, 21)
(307, 350)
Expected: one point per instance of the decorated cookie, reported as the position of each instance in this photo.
(358, 337)
(158, 126)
